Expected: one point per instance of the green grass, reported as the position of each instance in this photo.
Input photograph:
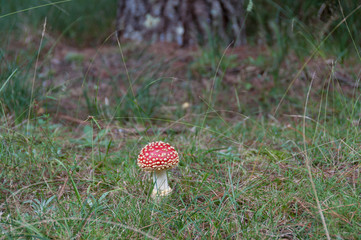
(248, 141)
(56, 185)
(15, 93)
(81, 22)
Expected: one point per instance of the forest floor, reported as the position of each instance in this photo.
(244, 78)
(267, 149)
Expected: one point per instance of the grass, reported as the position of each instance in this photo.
(79, 21)
(92, 188)
(15, 92)
(267, 148)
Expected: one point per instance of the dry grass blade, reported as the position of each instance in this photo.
(308, 166)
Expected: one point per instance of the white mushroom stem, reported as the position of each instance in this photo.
(161, 187)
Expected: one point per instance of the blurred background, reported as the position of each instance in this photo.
(269, 42)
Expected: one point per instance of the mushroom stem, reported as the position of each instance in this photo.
(161, 187)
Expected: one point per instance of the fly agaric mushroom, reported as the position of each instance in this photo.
(158, 157)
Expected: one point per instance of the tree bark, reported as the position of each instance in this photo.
(182, 21)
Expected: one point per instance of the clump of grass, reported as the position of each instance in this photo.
(210, 60)
(144, 93)
(16, 92)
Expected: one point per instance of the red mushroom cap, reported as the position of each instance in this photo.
(157, 156)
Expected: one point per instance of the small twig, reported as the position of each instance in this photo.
(342, 77)
(61, 191)
(71, 119)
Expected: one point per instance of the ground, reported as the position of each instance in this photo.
(249, 135)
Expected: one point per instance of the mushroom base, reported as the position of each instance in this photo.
(161, 193)
(161, 187)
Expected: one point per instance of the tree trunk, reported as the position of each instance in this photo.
(182, 21)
